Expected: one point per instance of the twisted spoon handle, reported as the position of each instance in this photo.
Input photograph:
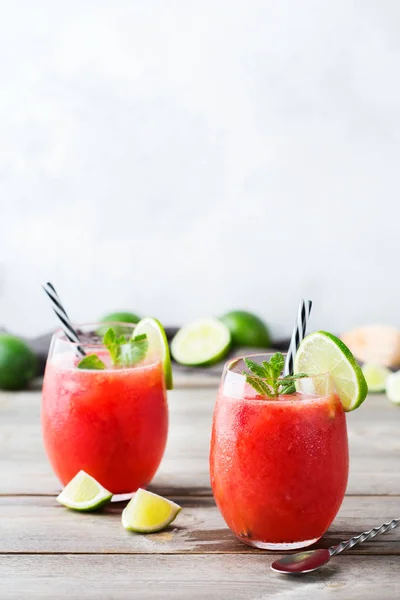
(363, 537)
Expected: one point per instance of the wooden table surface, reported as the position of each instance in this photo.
(50, 552)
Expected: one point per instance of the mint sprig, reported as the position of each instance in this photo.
(91, 362)
(266, 378)
(123, 352)
(134, 351)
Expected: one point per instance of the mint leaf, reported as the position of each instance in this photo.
(288, 383)
(125, 353)
(92, 362)
(140, 337)
(114, 344)
(109, 337)
(134, 351)
(277, 362)
(110, 341)
(265, 378)
(269, 371)
(255, 368)
(290, 388)
(259, 385)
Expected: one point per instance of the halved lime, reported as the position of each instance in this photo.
(157, 341)
(148, 512)
(393, 387)
(84, 493)
(201, 343)
(375, 376)
(322, 352)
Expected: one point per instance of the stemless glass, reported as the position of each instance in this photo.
(278, 467)
(111, 423)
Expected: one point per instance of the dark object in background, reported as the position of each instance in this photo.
(18, 363)
(40, 346)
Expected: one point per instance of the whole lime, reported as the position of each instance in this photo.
(121, 317)
(18, 364)
(247, 329)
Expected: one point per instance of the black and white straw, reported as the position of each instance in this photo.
(61, 313)
(299, 331)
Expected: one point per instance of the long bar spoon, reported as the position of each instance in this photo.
(304, 562)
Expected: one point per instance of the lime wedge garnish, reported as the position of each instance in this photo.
(201, 343)
(84, 493)
(393, 387)
(157, 341)
(148, 512)
(322, 352)
(376, 376)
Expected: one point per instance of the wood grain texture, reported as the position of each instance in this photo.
(179, 577)
(41, 525)
(47, 551)
(373, 437)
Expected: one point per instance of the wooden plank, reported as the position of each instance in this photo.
(41, 525)
(200, 577)
(373, 436)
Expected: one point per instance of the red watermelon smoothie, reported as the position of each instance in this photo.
(111, 423)
(279, 466)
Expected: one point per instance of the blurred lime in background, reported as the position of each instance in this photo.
(117, 317)
(120, 317)
(246, 329)
(375, 376)
(393, 387)
(18, 364)
(201, 343)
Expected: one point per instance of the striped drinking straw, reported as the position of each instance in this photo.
(299, 331)
(61, 313)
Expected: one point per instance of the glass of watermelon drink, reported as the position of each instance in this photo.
(111, 423)
(279, 466)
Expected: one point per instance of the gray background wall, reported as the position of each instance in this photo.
(185, 157)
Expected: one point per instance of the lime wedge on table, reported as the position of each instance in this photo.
(393, 387)
(201, 343)
(148, 512)
(376, 376)
(322, 352)
(157, 340)
(84, 493)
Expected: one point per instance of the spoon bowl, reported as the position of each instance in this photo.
(302, 562)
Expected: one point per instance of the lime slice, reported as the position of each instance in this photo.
(375, 376)
(393, 387)
(201, 343)
(84, 493)
(322, 352)
(157, 341)
(148, 512)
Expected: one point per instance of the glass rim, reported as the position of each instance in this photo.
(229, 363)
(96, 345)
(59, 333)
